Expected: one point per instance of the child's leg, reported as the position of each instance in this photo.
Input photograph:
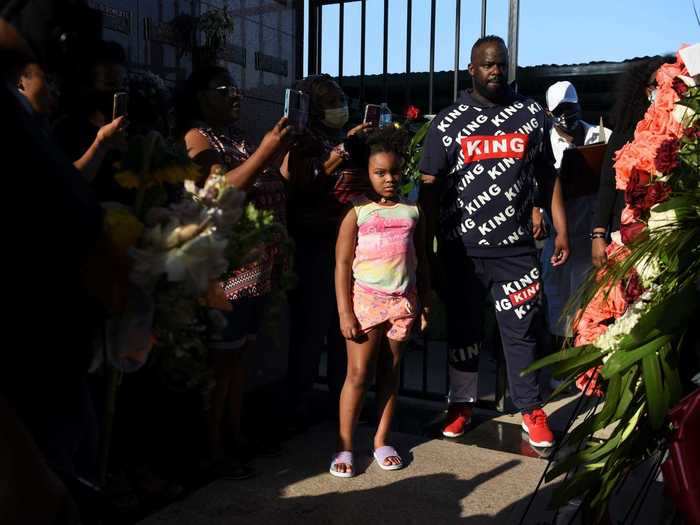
(388, 367)
(361, 358)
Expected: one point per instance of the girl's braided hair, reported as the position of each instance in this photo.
(382, 140)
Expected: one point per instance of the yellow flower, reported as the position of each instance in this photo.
(176, 174)
(192, 172)
(128, 179)
(123, 227)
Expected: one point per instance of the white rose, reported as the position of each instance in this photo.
(648, 268)
(661, 219)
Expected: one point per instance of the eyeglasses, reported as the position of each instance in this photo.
(228, 91)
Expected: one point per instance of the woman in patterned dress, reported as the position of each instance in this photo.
(211, 106)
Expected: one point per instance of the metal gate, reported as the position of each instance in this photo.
(316, 28)
(417, 372)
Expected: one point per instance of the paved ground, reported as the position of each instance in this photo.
(443, 483)
(464, 481)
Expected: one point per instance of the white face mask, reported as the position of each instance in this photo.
(652, 96)
(335, 118)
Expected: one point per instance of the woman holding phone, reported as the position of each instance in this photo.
(208, 110)
(322, 179)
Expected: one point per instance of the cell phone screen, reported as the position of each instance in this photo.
(372, 114)
(121, 102)
(296, 109)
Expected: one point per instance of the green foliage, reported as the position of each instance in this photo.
(639, 374)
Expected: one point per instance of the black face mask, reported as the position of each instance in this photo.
(568, 122)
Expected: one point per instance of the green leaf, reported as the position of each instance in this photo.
(671, 313)
(563, 386)
(628, 389)
(581, 483)
(656, 397)
(669, 368)
(562, 355)
(596, 453)
(620, 360)
(580, 364)
(601, 419)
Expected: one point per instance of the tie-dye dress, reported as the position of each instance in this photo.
(384, 268)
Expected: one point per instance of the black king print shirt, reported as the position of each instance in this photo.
(490, 160)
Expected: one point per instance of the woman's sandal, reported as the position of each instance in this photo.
(387, 451)
(344, 457)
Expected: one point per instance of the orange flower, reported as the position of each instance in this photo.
(607, 305)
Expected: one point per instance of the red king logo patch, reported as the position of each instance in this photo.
(481, 147)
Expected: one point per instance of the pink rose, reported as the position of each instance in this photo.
(629, 215)
(667, 156)
(680, 87)
(667, 72)
(631, 232)
(657, 192)
(633, 288)
(636, 188)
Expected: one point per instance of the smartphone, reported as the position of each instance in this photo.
(121, 102)
(296, 109)
(372, 112)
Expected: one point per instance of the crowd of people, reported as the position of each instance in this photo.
(363, 259)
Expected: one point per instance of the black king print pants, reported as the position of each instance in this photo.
(515, 288)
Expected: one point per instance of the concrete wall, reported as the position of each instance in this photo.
(260, 26)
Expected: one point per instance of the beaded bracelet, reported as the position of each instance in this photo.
(598, 235)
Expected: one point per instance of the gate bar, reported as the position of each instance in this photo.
(457, 28)
(341, 46)
(363, 30)
(386, 51)
(513, 23)
(432, 57)
(407, 83)
(483, 18)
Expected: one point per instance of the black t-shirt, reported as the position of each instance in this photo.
(490, 160)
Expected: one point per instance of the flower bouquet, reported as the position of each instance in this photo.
(633, 330)
(418, 125)
(181, 246)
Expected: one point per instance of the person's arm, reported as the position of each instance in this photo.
(344, 256)
(242, 176)
(549, 187)
(423, 271)
(607, 193)
(561, 241)
(538, 229)
(297, 161)
(110, 136)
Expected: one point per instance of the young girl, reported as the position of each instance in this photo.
(380, 272)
